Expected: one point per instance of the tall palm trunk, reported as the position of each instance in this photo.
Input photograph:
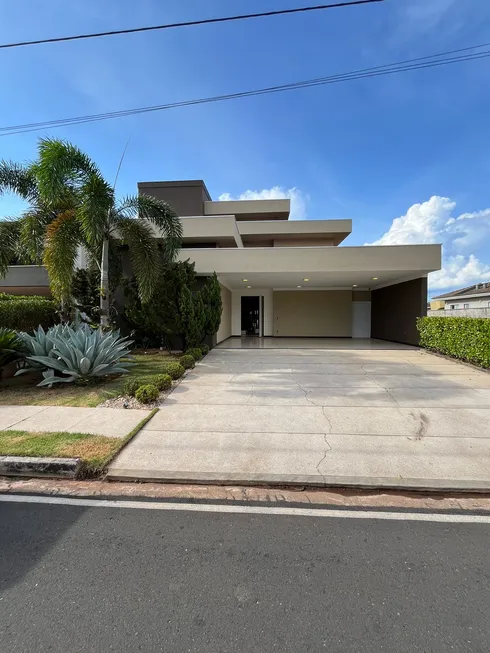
(104, 285)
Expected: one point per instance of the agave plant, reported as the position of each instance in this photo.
(12, 347)
(41, 344)
(80, 353)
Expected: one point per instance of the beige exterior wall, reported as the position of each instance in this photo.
(361, 296)
(224, 330)
(303, 242)
(321, 313)
(22, 277)
(258, 243)
(250, 209)
(437, 304)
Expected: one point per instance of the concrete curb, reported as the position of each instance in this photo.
(39, 467)
(305, 481)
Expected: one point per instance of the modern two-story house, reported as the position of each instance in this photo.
(287, 278)
(295, 278)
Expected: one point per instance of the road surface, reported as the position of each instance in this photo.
(90, 579)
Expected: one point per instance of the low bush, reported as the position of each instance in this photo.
(466, 338)
(204, 349)
(5, 297)
(187, 362)
(162, 381)
(12, 348)
(174, 370)
(27, 313)
(145, 394)
(131, 385)
(195, 352)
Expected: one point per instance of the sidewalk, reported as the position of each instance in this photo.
(111, 422)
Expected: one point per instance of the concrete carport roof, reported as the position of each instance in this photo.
(324, 267)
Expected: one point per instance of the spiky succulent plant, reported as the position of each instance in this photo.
(77, 353)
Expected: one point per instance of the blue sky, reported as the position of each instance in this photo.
(406, 157)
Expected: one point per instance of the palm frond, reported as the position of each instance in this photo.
(19, 179)
(9, 238)
(60, 253)
(143, 252)
(32, 235)
(69, 177)
(161, 215)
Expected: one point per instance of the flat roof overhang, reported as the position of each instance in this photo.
(250, 209)
(337, 230)
(324, 267)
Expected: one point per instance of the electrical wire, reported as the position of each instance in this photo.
(386, 69)
(191, 23)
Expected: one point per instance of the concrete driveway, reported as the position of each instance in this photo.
(368, 414)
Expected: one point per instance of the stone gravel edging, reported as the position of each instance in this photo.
(131, 403)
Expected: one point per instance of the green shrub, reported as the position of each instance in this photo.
(174, 370)
(195, 352)
(466, 338)
(187, 362)
(131, 385)
(162, 381)
(145, 394)
(27, 313)
(12, 347)
(4, 297)
(204, 349)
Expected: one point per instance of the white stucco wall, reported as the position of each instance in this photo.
(475, 302)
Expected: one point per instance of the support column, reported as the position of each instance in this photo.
(395, 309)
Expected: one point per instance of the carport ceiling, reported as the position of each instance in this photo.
(362, 279)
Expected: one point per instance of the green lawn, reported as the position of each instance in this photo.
(96, 451)
(23, 391)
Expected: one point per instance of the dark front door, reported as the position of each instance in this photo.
(251, 316)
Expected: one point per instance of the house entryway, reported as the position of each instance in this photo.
(251, 316)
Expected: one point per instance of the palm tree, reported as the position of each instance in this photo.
(81, 210)
(22, 238)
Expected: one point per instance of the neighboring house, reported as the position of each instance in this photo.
(282, 277)
(472, 297)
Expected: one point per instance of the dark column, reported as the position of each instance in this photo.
(395, 309)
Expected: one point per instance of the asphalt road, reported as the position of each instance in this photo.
(89, 580)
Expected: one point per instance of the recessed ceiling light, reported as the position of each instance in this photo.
(375, 278)
(354, 285)
(305, 279)
(298, 286)
(245, 280)
(249, 286)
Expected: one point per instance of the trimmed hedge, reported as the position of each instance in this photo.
(195, 352)
(27, 313)
(187, 362)
(204, 349)
(162, 381)
(174, 370)
(466, 338)
(131, 385)
(145, 394)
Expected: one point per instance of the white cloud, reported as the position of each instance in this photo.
(461, 237)
(298, 200)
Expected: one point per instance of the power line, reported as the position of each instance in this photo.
(418, 63)
(191, 23)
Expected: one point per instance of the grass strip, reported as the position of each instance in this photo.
(95, 451)
(124, 441)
